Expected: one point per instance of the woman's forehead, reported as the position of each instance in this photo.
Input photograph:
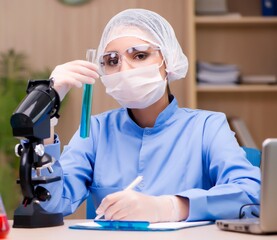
(123, 43)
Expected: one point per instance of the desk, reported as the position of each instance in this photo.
(208, 232)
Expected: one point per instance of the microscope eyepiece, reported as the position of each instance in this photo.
(31, 119)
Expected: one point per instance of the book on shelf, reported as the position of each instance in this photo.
(211, 7)
(217, 73)
(269, 7)
(214, 8)
(258, 79)
(242, 132)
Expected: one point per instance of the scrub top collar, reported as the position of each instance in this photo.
(163, 116)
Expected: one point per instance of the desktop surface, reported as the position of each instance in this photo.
(208, 232)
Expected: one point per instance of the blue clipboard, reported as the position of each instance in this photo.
(114, 225)
(117, 225)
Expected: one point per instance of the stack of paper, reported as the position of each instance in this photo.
(259, 79)
(212, 73)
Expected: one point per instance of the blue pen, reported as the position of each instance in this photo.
(87, 100)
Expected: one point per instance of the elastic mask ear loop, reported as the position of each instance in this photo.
(163, 62)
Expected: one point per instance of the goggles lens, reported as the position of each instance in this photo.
(137, 56)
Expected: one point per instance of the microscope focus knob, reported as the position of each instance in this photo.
(39, 149)
(18, 150)
(42, 194)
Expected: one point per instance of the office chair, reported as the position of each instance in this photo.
(90, 209)
(252, 154)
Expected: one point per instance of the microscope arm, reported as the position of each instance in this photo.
(25, 174)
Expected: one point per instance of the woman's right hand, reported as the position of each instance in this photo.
(73, 74)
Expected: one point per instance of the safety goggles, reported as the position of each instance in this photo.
(137, 56)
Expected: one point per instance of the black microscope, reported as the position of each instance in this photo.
(31, 124)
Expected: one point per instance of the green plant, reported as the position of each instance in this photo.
(8, 188)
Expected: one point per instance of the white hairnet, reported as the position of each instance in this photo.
(150, 27)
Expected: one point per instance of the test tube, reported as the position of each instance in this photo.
(87, 100)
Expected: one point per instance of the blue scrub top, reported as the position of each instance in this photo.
(189, 153)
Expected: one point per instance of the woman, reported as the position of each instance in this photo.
(191, 163)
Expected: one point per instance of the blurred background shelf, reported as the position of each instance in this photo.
(247, 39)
(237, 88)
(235, 20)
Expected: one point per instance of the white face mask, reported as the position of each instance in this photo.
(136, 88)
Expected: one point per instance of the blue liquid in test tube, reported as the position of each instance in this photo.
(87, 100)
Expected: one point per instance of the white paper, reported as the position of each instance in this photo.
(176, 225)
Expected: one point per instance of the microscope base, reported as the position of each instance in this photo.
(34, 216)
